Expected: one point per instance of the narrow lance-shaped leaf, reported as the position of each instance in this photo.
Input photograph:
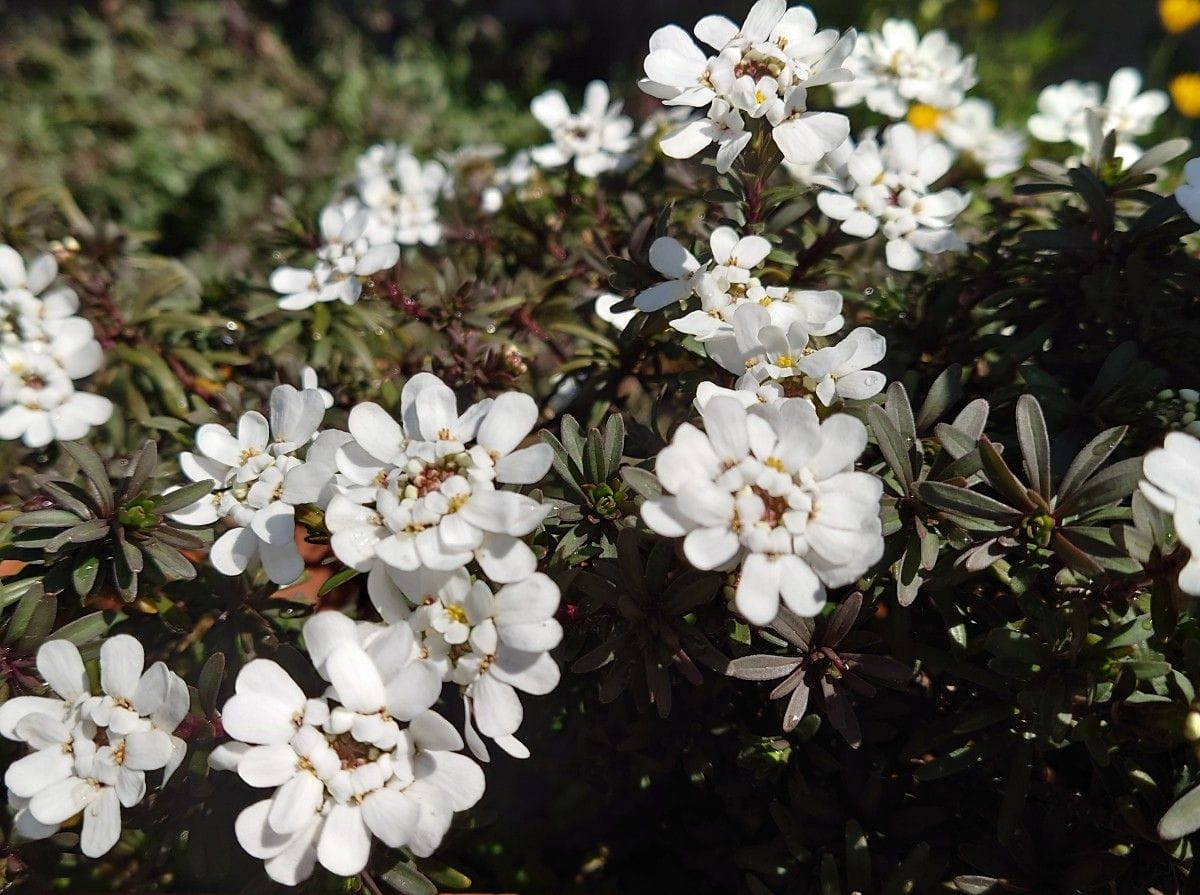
(95, 475)
(1088, 460)
(943, 393)
(1107, 486)
(892, 444)
(964, 502)
(1035, 444)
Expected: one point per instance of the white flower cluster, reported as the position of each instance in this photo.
(365, 760)
(896, 67)
(260, 479)
(902, 74)
(417, 504)
(1064, 110)
(91, 751)
(761, 71)
(597, 138)
(1172, 483)
(44, 348)
(773, 489)
(393, 203)
(889, 187)
(763, 332)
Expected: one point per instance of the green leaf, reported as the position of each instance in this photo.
(46, 519)
(144, 465)
(209, 687)
(66, 500)
(892, 444)
(26, 605)
(944, 392)
(83, 533)
(762, 668)
(613, 445)
(1003, 479)
(15, 590)
(336, 580)
(407, 880)
(964, 502)
(572, 440)
(643, 481)
(1089, 459)
(183, 497)
(1182, 818)
(173, 564)
(1035, 444)
(1015, 792)
(85, 629)
(858, 858)
(1106, 487)
(95, 475)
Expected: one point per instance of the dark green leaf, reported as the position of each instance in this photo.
(1109, 486)
(407, 880)
(1035, 444)
(95, 475)
(183, 497)
(944, 392)
(1089, 459)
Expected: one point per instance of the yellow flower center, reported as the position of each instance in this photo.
(1179, 16)
(1185, 93)
(923, 117)
(457, 613)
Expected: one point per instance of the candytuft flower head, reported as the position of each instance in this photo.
(44, 349)
(892, 190)
(596, 139)
(895, 67)
(1178, 16)
(421, 493)
(761, 71)
(259, 482)
(367, 760)
(91, 752)
(1063, 109)
(773, 490)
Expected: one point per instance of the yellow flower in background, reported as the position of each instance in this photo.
(1185, 93)
(923, 117)
(985, 10)
(1179, 15)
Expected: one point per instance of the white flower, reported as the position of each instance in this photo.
(44, 348)
(432, 481)
(401, 195)
(970, 127)
(259, 482)
(761, 71)
(596, 138)
(892, 193)
(344, 258)
(518, 172)
(1187, 194)
(896, 67)
(840, 371)
(1172, 483)
(773, 489)
(1063, 110)
(491, 645)
(729, 283)
(92, 752)
(343, 768)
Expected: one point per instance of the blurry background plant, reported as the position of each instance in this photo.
(1021, 642)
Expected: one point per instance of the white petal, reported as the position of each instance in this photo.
(14, 710)
(101, 824)
(456, 775)
(355, 679)
(345, 844)
(504, 558)
(231, 553)
(296, 803)
(62, 800)
(266, 766)
(28, 776)
(60, 666)
(390, 816)
(375, 431)
(508, 421)
(255, 834)
(504, 512)
(121, 661)
(147, 750)
(757, 595)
